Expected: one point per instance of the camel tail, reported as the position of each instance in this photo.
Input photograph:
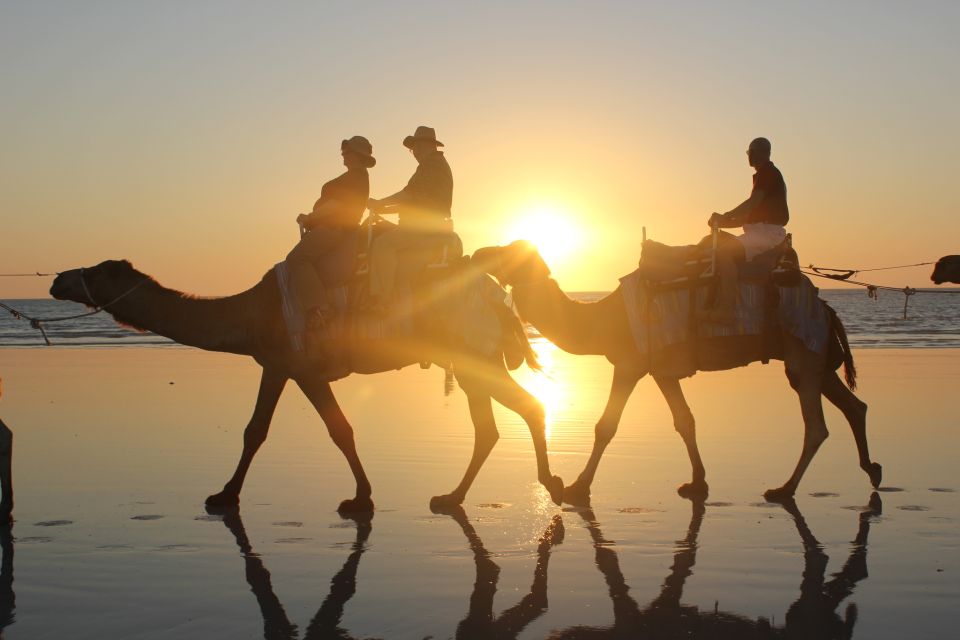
(849, 369)
(516, 345)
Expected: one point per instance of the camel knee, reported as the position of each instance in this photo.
(342, 436)
(254, 435)
(686, 426)
(534, 414)
(604, 431)
(815, 436)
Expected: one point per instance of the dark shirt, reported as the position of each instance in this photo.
(351, 189)
(430, 189)
(773, 208)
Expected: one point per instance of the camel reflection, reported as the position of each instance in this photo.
(480, 622)
(813, 615)
(326, 622)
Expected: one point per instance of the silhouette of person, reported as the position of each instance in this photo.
(326, 253)
(762, 216)
(6, 471)
(424, 211)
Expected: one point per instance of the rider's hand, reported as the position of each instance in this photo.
(302, 218)
(373, 204)
(715, 220)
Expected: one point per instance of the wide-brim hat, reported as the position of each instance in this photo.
(360, 146)
(422, 134)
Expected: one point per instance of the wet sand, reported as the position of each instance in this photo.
(115, 450)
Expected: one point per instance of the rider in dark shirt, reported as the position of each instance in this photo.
(762, 216)
(424, 208)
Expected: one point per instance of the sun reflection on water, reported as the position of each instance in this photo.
(542, 384)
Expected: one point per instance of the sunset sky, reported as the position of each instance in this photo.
(187, 136)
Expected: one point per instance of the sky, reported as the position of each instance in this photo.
(187, 136)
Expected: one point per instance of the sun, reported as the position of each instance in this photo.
(551, 228)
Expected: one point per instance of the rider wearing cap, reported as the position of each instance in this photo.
(424, 208)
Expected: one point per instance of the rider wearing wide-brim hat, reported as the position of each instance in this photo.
(424, 208)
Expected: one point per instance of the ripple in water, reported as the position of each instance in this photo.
(53, 523)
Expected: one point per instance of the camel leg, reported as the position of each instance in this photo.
(271, 386)
(321, 396)
(624, 381)
(6, 473)
(485, 436)
(804, 370)
(511, 395)
(684, 423)
(855, 411)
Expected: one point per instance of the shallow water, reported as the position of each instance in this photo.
(115, 450)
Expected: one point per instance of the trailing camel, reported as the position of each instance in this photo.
(251, 323)
(601, 328)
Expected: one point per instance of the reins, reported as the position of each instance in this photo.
(37, 323)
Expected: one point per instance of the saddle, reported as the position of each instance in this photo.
(666, 267)
(417, 299)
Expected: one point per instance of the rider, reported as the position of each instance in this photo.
(762, 216)
(325, 255)
(424, 208)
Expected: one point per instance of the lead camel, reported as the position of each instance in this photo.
(251, 323)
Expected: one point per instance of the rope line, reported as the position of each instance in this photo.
(37, 323)
(19, 275)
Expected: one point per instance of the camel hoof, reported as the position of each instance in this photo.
(223, 500)
(555, 487)
(780, 496)
(356, 505)
(577, 495)
(445, 502)
(693, 490)
(875, 473)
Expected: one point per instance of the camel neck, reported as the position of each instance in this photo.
(576, 327)
(213, 324)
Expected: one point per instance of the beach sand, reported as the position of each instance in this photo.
(115, 450)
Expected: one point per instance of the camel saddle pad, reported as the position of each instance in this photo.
(659, 319)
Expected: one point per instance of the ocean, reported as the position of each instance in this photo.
(933, 321)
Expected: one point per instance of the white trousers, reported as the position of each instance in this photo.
(760, 237)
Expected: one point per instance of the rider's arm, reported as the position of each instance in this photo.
(390, 204)
(320, 211)
(739, 214)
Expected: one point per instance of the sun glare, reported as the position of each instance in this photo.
(551, 228)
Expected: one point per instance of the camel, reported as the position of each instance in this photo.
(601, 328)
(251, 323)
(947, 269)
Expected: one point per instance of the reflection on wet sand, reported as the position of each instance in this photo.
(480, 622)
(7, 597)
(813, 615)
(326, 622)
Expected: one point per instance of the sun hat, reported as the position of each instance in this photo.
(422, 133)
(360, 146)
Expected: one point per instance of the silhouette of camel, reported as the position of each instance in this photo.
(601, 328)
(947, 269)
(812, 615)
(6, 471)
(326, 622)
(480, 622)
(251, 323)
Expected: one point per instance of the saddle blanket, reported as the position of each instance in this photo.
(798, 310)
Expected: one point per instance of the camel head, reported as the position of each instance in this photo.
(947, 269)
(517, 263)
(95, 286)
